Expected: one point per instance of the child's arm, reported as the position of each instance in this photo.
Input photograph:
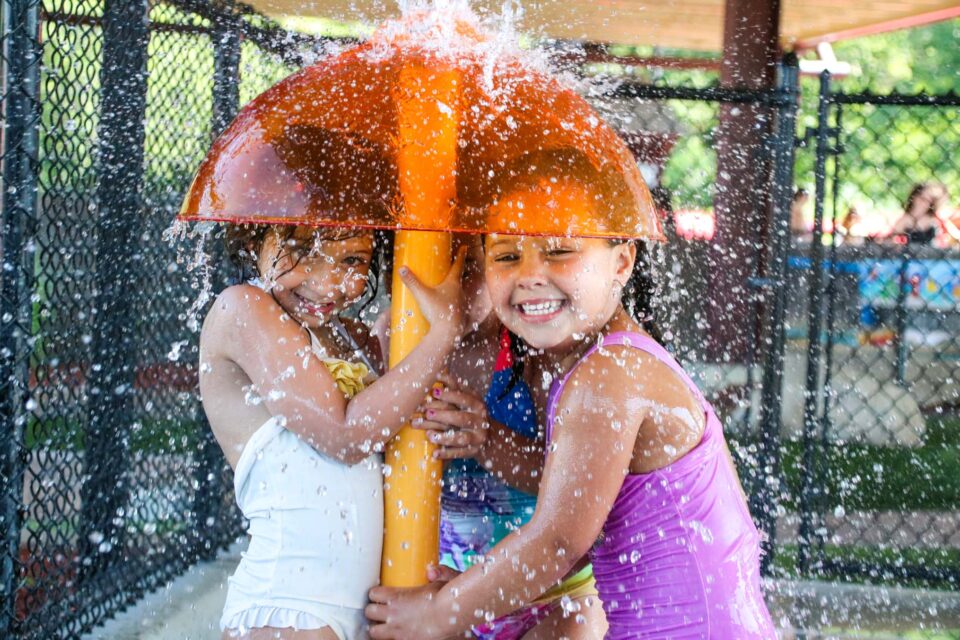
(513, 458)
(461, 427)
(589, 456)
(275, 353)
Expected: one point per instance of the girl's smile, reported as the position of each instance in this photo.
(313, 284)
(313, 308)
(549, 291)
(540, 310)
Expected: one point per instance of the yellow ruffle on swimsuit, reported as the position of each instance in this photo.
(349, 376)
(579, 585)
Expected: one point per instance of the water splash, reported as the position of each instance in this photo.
(453, 30)
(198, 263)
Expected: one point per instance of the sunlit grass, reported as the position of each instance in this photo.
(143, 436)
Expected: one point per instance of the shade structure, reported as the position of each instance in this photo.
(324, 146)
(679, 24)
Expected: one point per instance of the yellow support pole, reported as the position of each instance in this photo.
(427, 99)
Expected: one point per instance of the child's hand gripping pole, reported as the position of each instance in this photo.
(455, 420)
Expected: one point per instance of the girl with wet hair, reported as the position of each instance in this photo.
(297, 399)
(478, 393)
(637, 475)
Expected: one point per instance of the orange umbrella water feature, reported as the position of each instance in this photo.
(400, 133)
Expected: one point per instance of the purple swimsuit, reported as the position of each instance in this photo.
(679, 554)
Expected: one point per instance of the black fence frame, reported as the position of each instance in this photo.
(100, 587)
(22, 115)
(828, 136)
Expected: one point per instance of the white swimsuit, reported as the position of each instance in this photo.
(316, 535)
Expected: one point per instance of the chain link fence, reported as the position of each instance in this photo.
(873, 417)
(110, 480)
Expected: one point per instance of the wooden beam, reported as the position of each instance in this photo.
(905, 22)
(750, 51)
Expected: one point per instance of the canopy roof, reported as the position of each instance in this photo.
(681, 24)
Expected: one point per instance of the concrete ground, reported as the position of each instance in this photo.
(189, 609)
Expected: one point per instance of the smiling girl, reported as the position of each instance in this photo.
(637, 473)
(290, 395)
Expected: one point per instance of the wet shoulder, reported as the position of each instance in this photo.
(623, 363)
(238, 310)
(600, 390)
(651, 401)
(242, 300)
(659, 378)
(605, 374)
(622, 374)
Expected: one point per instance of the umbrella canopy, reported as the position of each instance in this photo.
(324, 146)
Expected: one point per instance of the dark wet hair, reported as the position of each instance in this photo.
(350, 183)
(244, 242)
(639, 293)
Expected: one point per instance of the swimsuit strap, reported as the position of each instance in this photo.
(649, 345)
(620, 338)
(321, 352)
(354, 345)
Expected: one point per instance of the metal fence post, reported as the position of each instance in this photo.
(812, 392)
(226, 101)
(893, 560)
(900, 318)
(765, 496)
(119, 196)
(21, 61)
(831, 272)
(226, 70)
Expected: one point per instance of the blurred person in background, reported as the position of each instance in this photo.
(850, 230)
(921, 222)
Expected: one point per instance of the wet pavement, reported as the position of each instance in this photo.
(189, 609)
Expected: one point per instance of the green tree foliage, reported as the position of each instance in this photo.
(924, 59)
(887, 149)
(690, 171)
